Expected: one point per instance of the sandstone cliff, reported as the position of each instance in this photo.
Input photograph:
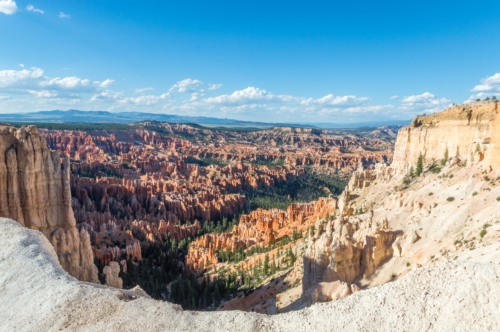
(34, 190)
(468, 131)
(387, 216)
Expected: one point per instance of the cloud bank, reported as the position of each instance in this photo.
(32, 89)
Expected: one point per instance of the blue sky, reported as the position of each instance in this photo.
(290, 61)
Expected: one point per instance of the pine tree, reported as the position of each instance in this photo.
(217, 296)
(446, 157)
(266, 265)
(412, 172)
(420, 165)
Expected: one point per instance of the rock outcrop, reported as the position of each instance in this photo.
(468, 132)
(386, 213)
(34, 190)
(344, 250)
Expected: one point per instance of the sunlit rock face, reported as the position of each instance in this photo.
(470, 132)
(259, 227)
(35, 191)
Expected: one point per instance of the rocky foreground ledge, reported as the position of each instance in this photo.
(36, 294)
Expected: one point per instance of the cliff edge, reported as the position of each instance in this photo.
(36, 294)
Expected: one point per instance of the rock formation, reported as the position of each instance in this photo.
(34, 190)
(260, 227)
(112, 272)
(468, 132)
(385, 213)
(344, 250)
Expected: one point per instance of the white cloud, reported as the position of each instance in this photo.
(63, 15)
(32, 8)
(186, 85)
(106, 96)
(142, 90)
(490, 83)
(68, 83)
(249, 95)
(43, 93)
(425, 102)
(8, 7)
(33, 82)
(14, 78)
(338, 101)
(195, 96)
(214, 86)
(394, 97)
(107, 83)
(21, 65)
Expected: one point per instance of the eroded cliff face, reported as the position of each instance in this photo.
(35, 191)
(344, 250)
(389, 221)
(468, 131)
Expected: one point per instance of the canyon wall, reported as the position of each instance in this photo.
(35, 191)
(468, 131)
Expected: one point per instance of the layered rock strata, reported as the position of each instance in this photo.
(34, 190)
(468, 132)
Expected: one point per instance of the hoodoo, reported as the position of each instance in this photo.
(35, 191)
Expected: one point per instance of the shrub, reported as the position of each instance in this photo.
(498, 198)
(407, 264)
(435, 169)
(474, 193)
(450, 199)
(483, 233)
(430, 194)
(451, 176)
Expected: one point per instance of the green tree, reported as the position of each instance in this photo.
(412, 172)
(217, 296)
(266, 265)
(445, 158)
(420, 165)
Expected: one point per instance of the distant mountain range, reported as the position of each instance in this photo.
(76, 116)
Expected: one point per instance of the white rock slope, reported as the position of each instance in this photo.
(36, 294)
